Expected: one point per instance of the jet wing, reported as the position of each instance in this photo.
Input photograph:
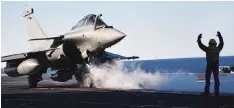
(21, 55)
(119, 57)
(13, 57)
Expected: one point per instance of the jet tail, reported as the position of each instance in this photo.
(34, 30)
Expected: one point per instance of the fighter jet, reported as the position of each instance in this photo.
(72, 53)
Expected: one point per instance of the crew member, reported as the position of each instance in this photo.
(212, 58)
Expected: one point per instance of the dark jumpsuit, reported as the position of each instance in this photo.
(212, 58)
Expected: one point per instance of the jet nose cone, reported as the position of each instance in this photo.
(116, 36)
(112, 36)
(120, 36)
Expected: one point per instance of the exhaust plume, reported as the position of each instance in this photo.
(114, 75)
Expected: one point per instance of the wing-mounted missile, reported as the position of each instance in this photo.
(119, 57)
(133, 57)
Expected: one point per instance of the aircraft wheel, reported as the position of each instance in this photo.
(34, 79)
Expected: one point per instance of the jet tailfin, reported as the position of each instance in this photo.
(34, 30)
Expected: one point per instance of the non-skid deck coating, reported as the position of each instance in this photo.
(16, 94)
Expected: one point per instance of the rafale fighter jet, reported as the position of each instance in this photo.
(69, 54)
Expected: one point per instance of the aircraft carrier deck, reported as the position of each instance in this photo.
(16, 94)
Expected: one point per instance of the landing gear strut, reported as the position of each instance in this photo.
(79, 78)
(34, 79)
(82, 75)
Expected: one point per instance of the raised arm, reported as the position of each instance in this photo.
(221, 43)
(203, 47)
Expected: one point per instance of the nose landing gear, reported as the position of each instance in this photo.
(83, 77)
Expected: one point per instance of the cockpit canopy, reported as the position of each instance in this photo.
(89, 21)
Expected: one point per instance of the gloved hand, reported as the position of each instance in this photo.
(199, 37)
(218, 34)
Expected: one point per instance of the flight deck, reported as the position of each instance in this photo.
(16, 94)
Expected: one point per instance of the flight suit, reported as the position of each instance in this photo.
(212, 58)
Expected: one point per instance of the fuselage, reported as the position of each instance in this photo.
(86, 36)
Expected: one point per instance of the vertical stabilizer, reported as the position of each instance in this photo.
(34, 30)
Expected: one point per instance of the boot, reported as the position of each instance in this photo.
(216, 93)
(205, 93)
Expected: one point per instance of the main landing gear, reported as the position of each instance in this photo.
(34, 79)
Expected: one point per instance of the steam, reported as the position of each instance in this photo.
(116, 76)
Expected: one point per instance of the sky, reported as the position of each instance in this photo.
(155, 30)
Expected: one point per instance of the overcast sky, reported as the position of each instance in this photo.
(155, 30)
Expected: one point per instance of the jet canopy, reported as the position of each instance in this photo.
(89, 21)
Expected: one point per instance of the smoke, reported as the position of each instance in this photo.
(114, 75)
